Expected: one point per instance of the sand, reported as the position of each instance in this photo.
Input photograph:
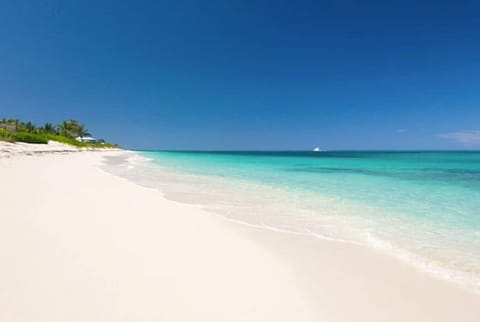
(9, 150)
(79, 244)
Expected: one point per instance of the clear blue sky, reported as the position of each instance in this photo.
(340, 74)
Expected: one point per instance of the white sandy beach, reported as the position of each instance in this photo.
(79, 244)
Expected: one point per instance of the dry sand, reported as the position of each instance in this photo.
(79, 244)
(9, 150)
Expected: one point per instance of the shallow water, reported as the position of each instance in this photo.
(423, 207)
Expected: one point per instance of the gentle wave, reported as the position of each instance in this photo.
(446, 245)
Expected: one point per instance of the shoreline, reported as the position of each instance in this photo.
(124, 252)
(144, 170)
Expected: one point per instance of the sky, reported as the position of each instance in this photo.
(339, 74)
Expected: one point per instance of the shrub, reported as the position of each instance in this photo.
(29, 137)
(6, 136)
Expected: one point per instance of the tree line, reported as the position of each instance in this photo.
(14, 130)
(67, 128)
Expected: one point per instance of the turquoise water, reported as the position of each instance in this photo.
(423, 207)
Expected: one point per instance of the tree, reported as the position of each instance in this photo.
(48, 128)
(29, 127)
(82, 130)
(72, 129)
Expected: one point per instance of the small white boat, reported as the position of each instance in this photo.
(317, 149)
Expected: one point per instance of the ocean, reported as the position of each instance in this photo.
(421, 207)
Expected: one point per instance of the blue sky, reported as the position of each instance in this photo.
(245, 74)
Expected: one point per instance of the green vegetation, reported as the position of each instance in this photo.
(13, 130)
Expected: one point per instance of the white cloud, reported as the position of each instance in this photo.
(463, 137)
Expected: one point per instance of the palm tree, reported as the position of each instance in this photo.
(64, 129)
(82, 130)
(30, 127)
(48, 128)
(72, 128)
